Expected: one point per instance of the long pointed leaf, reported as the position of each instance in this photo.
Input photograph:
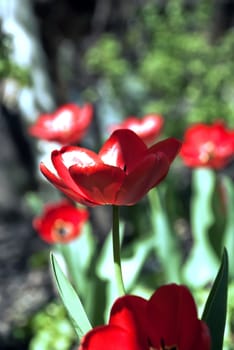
(216, 305)
(71, 300)
(165, 242)
(228, 234)
(202, 262)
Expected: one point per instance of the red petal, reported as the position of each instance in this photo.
(111, 338)
(71, 155)
(68, 213)
(99, 183)
(123, 149)
(59, 183)
(61, 211)
(129, 313)
(85, 116)
(81, 122)
(147, 128)
(198, 138)
(147, 174)
(37, 131)
(203, 339)
(172, 317)
(170, 147)
(66, 125)
(151, 126)
(52, 177)
(190, 155)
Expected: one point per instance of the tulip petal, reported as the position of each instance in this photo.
(167, 321)
(207, 145)
(109, 337)
(147, 174)
(85, 115)
(129, 313)
(170, 147)
(60, 222)
(147, 128)
(123, 149)
(99, 182)
(203, 339)
(80, 124)
(66, 125)
(71, 155)
(52, 177)
(172, 312)
(60, 185)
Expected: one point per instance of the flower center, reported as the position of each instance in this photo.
(164, 347)
(207, 152)
(61, 230)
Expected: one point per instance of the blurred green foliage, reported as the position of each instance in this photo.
(167, 63)
(8, 69)
(51, 329)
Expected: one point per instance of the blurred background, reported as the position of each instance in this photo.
(171, 57)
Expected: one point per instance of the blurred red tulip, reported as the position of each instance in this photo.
(207, 146)
(67, 125)
(60, 222)
(167, 321)
(120, 174)
(147, 128)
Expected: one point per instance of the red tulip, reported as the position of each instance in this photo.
(167, 321)
(67, 125)
(207, 146)
(120, 174)
(148, 127)
(60, 222)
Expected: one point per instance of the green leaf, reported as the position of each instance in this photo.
(228, 233)
(164, 240)
(202, 262)
(78, 265)
(216, 305)
(71, 300)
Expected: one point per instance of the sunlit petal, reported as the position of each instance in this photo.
(101, 182)
(123, 149)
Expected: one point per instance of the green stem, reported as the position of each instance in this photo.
(116, 250)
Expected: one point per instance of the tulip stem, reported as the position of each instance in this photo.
(116, 250)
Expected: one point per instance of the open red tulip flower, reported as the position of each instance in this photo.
(60, 222)
(207, 146)
(67, 125)
(148, 127)
(167, 321)
(121, 173)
